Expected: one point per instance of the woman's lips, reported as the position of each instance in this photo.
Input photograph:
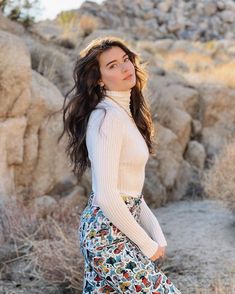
(128, 77)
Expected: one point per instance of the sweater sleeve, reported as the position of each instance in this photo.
(104, 149)
(151, 224)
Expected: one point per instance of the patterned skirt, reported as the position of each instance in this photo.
(113, 263)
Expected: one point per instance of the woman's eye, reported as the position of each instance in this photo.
(112, 65)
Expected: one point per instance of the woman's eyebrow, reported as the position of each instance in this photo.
(115, 59)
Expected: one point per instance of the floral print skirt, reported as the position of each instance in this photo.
(113, 263)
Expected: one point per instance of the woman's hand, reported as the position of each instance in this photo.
(159, 253)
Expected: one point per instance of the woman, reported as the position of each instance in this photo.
(110, 130)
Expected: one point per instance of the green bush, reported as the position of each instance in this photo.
(22, 11)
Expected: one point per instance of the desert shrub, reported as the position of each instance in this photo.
(219, 180)
(68, 21)
(48, 245)
(53, 65)
(22, 11)
(88, 24)
(66, 43)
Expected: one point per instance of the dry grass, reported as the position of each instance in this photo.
(194, 60)
(219, 180)
(57, 257)
(51, 247)
(48, 62)
(197, 67)
(68, 21)
(223, 74)
(88, 24)
(53, 65)
(219, 287)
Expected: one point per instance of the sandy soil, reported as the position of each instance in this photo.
(200, 251)
(201, 245)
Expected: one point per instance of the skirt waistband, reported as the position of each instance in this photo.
(127, 198)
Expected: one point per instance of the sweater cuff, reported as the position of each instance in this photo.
(150, 248)
(160, 239)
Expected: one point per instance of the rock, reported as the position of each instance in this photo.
(165, 6)
(180, 66)
(14, 99)
(160, 16)
(146, 5)
(100, 33)
(9, 26)
(195, 154)
(173, 26)
(29, 164)
(187, 99)
(76, 198)
(52, 64)
(180, 124)
(7, 185)
(181, 20)
(163, 45)
(169, 156)
(227, 16)
(183, 45)
(14, 129)
(47, 29)
(220, 5)
(213, 140)
(210, 8)
(42, 166)
(146, 46)
(43, 205)
(154, 191)
(64, 187)
(196, 127)
(184, 175)
(230, 5)
(217, 117)
(15, 76)
(170, 116)
(88, 24)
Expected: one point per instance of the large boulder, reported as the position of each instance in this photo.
(14, 100)
(31, 160)
(42, 167)
(217, 117)
(167, 173)
(15, 71)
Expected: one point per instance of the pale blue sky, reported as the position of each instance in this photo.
(50, 8)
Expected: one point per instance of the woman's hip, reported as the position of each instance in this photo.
(96, 230)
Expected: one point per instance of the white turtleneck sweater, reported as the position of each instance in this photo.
(118, 155)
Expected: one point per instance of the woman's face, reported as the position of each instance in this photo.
(115, 66)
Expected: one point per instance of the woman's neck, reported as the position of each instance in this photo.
(121, 97)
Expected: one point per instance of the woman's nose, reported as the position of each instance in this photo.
(124, 67)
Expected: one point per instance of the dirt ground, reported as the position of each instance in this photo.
(200, 252)
(201, 245)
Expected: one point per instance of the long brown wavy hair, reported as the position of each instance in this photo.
(87, 93)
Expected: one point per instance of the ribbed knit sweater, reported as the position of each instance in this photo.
(118, 155)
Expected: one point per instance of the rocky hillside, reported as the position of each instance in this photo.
(156, 19)
(195, 110)
(202, 20)
(190, 50)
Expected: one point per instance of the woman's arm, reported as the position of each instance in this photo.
(151, 224)
(104, 149)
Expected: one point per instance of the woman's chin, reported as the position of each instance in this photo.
(131, 83)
